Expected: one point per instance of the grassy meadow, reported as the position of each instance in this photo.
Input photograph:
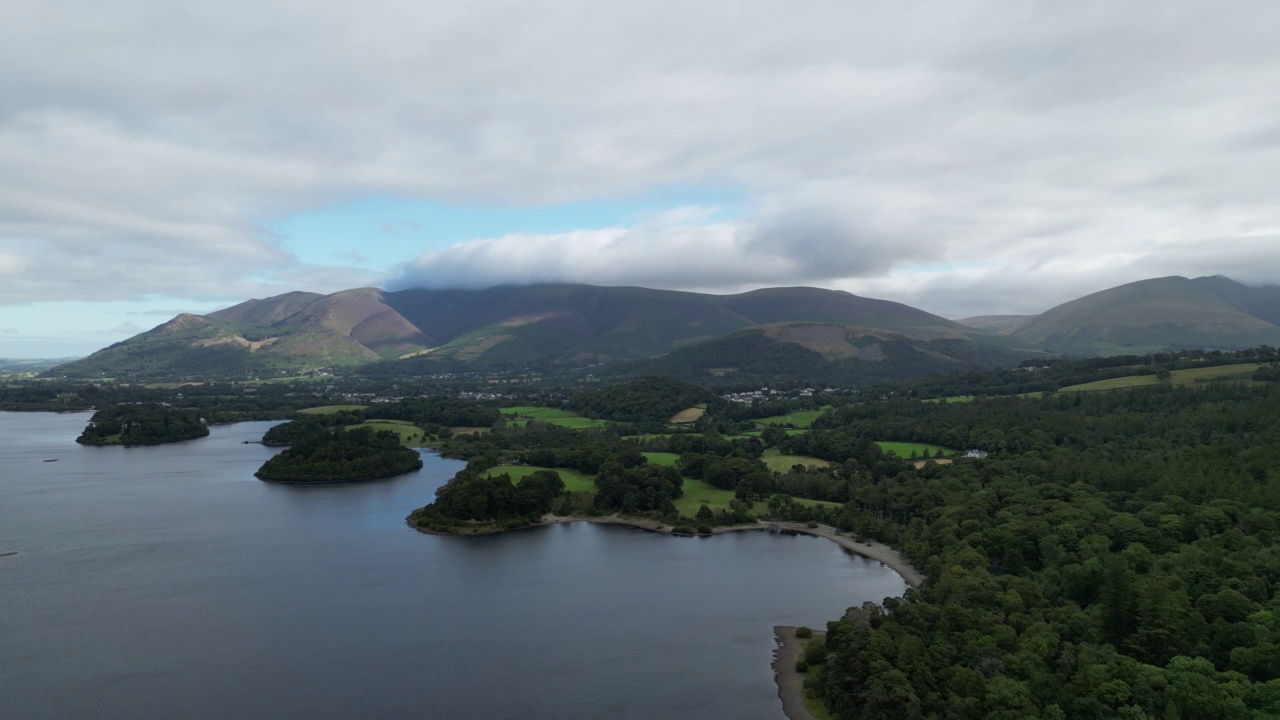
(1185, 377)
(662, 458)
(399, 427)
(782, 463)
(799, 418)
(330, 409)
(574, 481)
(551, 416)
(697, 493)
(904, 449)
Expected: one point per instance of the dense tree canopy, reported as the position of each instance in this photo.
(341, 455)
(142, 424)
(1115, 557)
(647, 399)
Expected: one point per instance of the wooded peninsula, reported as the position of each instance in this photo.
(142, 424)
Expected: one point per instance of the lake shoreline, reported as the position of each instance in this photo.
(790, 683)
(883, 554)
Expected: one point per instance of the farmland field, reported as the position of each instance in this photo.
(574, 481)
(756, 433)
(552, 416)
(904, 449)
(1185, 377)
(783, 463)
(697, 493)
(330, 409)
(404, 430)
(688, 415)
(799, 418)
(662, 458)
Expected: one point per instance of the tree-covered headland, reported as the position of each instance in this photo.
(338, 454)
(142, 424)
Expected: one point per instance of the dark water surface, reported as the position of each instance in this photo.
(168, 582)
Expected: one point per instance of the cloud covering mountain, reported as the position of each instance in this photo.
(967, 158)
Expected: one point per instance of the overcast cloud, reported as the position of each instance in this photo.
(969, 157)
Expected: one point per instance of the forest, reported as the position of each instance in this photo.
(142, 424)
(1115, 556)
(337, 454)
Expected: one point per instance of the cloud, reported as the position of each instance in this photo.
(1059, 146)
(676, 250)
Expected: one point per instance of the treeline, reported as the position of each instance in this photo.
(216, 402)
(1118, 558)
(433, 413)
(328, 455)
(142, 424)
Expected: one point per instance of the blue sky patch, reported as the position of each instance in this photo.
(382, 232)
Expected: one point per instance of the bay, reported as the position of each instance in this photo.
(167, 581)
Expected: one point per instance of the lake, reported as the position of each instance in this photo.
(165, 582)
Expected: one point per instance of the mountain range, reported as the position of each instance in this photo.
(1169, 313)
(805, 332)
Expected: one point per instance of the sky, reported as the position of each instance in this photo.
(965, 157)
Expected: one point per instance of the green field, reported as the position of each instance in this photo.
(330, 409)
(952, 399)
(697, 493)
(552, 416)
(783, 463)
(662, 458)
(814, 503)
(756, 433)
(799, 418)
(401, 428)
(574, 481)
(904, 449)
(1189, 376)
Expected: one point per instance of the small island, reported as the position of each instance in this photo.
(337, 455)
(143, 424)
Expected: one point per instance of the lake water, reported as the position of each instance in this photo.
(168, 582)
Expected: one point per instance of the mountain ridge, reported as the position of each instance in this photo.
(564, 324)
(575, 325)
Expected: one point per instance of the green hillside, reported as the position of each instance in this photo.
(817, 353)
(418, 331)
(1147, 316)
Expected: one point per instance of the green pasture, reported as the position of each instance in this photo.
(403, 429)
(574, 481)
(952, 399)
(1185, 377)
(814, 503)
(662, 458)
(330, 409)
(552, 416)
(783, 463)
(756, 433)
(799, 418)
(904, 449)
(697, 493)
